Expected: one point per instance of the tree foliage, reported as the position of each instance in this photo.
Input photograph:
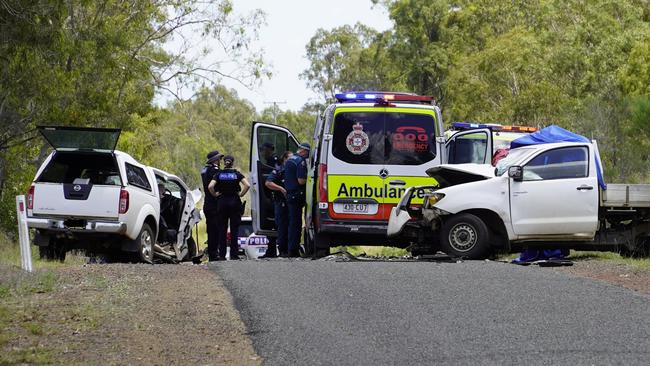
(100, 63)
(582, 65)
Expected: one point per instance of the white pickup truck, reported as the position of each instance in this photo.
(540, 196)
(87, 195)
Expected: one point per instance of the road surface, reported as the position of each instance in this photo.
(301, 312)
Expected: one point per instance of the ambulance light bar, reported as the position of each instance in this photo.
(360, 97)
(461, 126)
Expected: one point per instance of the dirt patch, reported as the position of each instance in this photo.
(120, 314)
(611, 272)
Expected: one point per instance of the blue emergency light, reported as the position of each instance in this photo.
(462, 126)
(372, 96)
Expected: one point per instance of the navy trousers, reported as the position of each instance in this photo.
(229, 210)
(282, 224)
(295, 203)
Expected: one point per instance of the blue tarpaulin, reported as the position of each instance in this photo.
(553, 134)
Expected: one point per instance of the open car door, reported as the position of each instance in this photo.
(472, 146)
(262, 209)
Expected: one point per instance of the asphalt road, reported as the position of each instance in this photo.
(354, 313)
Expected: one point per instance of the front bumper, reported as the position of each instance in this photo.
(86, 226)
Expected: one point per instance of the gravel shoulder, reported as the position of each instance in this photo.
(120, 314)
(619, 274)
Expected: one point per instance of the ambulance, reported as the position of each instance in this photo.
(367, 149)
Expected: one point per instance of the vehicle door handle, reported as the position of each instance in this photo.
(585, 188)
(397, 183)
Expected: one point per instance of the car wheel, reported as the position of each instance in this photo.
(145, 242)
(53, 252)
(466, 236)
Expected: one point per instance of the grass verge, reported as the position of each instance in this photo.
(638, 264)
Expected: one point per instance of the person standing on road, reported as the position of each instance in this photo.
(275, 182)
(212, 166)
(295, 178)
(226, 184)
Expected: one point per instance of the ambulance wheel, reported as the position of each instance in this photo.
(309, 243)
(321, 246)
(465, 235)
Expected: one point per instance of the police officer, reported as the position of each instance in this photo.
(226, 184)
(271, 161)
(212, 166)
(295, 178)
(275, 182)
(268, 155)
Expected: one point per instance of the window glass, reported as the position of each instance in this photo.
(468, 148)
(410, 138)
(98, 169)
(280, 140)
(358, 137)
(245, 229)
(137, 177)
(175, 189)
(568, 162)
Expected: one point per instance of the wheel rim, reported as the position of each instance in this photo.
(146, 244)
(463, 237)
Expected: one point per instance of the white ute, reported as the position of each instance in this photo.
(87, 195)
(544, 196)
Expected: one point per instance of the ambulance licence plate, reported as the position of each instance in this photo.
(355, 208)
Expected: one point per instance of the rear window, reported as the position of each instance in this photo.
(384, 138)
(245, 229)
(92, 168)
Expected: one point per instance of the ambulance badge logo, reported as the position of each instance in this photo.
(357, 140)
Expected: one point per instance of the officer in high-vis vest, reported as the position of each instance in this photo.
(227, 185)
(212, 166)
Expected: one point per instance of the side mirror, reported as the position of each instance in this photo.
(516, 173)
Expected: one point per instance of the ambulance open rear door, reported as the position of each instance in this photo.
(262, 210)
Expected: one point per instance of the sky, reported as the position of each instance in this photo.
(290, 25)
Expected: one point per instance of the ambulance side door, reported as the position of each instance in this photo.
(472, 146)
(262, 209)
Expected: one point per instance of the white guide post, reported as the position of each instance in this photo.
(23, 234)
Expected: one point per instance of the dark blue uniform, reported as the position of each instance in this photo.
(295, 167)
(281, 212)
(229, 209)
(210, 211)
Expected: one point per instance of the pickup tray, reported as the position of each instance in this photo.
(626, 195)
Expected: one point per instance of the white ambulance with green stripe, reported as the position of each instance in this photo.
(367, 149)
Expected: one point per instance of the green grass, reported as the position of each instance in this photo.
(11, 255)
(641, 264)
(372, 251)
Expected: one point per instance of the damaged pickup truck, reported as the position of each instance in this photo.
(87, 195)
(549, 195)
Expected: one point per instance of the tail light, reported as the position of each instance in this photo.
(124, 201)
(322, 183)
(30, 198)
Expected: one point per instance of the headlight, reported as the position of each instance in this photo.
(434, 198)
